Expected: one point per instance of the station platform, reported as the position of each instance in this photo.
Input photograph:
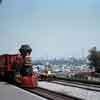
(10, 92)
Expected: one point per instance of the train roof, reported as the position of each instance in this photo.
(9, 54)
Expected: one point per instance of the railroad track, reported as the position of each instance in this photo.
(81, 83)
(51, 95)
(78, 85)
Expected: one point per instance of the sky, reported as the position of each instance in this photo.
(53, 28)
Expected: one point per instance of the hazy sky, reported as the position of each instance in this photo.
(53, 28)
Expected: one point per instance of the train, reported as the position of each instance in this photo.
(17, 68)
(47, 73)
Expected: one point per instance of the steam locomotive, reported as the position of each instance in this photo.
(17, 68)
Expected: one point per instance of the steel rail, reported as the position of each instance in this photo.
(78, 85)
(51, 95)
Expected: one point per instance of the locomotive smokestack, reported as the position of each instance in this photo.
(25, 50)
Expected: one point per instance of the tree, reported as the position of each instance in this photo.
(94, 59)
